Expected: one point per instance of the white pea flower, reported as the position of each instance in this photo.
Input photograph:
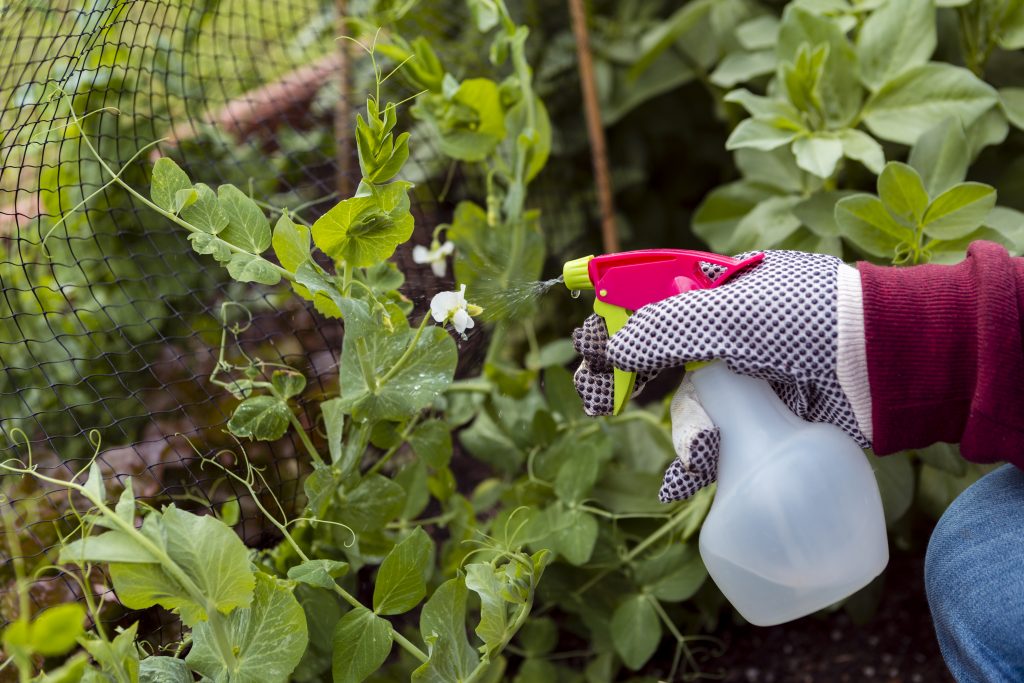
(435, 256)
(452, 307)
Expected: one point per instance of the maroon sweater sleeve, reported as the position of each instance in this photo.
(945, 354)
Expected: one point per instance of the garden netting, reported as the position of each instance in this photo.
(110, 324)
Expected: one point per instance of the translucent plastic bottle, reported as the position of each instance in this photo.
(797, 523)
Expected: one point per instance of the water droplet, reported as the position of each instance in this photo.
(575, 294)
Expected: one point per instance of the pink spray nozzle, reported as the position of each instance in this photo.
(633, 279)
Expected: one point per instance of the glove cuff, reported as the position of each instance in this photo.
(851, 351)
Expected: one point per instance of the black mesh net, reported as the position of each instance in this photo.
(110, 324)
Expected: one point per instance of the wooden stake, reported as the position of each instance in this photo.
(595, 130)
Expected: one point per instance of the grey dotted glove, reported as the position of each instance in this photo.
(776, 321)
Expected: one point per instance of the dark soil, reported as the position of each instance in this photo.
(896, 645)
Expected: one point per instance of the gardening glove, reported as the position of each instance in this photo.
(776, 321)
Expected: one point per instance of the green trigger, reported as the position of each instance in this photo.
(615, 319)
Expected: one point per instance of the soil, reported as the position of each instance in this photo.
(896, 645)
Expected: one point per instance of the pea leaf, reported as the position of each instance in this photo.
(205, 212)
(247, 227)
(94, 484)
(368, 354)
(168, 179)
(365, 230)
(250, 268)
(203, 243)
(56, 631)
(125, 508)
(319, 573)
(473, 123)
(923, 97)
(374, 502)
(203, 548)
(156, 669)
(571, 532)
(895, 484)
(959, 210)
(901, 190)
(288, 383)
(636, 630)
(263, 418)
(113, 546)
(401, 580)
(673, 574)
(267, 638)
(759, 134)
(576, 476)
(896, 37)
(864, 220)
(432, 441)
(483, 579)
(334, 424)
(291, 243)
(443, 627)
(941, 156)
(818, 154)
(362, 641)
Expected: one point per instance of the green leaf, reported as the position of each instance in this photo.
(334, 425)
(473, 123)
(184, 199)
(432, 441)
(672, 575)
(897, 36)
(945, 457)
(1010, 31)
(113, 546)
(1012, 100)
(484, 580)
(365, 230)
(263, 418)
(443, 627)
(959, 210)
(368, 354)
(537, 141)
(373, 503)
(991, 128)
(247, 227)
(766, 226)
(636, 630)
(941, 156)
(839, 85)
(401, 580)
(759, 134)
(818, 154)
(1010, 224)
(895, 483)
(154, 669)
(776, 169)
(901, 190)
(923, 97)
(936, 489)
(203, 243)
(94, 484)
(759, 33)
(125, 508)
(291, 243)
(288, 383)
(205, 213)
(576, 477)
(721, 211)
(860, 146)
(362, 642)
(740, 67)
(168, 180)
(267, 638)
(864, 221)
(250, 268)
(572, 533)
(319, 573)
(56, 631)
(818, 212)
(777, 112)
(207, 551)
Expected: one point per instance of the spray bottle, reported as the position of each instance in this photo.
(797, 523)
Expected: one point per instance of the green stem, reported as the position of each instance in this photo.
(478, 386)
(304, 438)
(408, 352)
(394, 449)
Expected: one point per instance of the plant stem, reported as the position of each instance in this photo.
(400, 363)
(394, 449)
(304, 438)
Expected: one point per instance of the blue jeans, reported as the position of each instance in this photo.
(974, 577)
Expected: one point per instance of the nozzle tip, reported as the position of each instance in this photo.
(576, 273)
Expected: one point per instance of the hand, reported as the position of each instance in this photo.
(777, 321)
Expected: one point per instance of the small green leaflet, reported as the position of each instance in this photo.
(267, 638)
(247, 227)
(319, 573)
(432, 441)
(365, 230)
(443, 627)
(636, 630)
(486, 581)
(205, 213)
(959, 210)
(401, 580)
(362, 641)
(168, 180)
(288, 383)
(263, 418)
(208, 244)
(901, 190)
(291, 243)
(164, 670)
(864, 220)
(373, 503)
(52, 633)
(941, 156)
(250, 268)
